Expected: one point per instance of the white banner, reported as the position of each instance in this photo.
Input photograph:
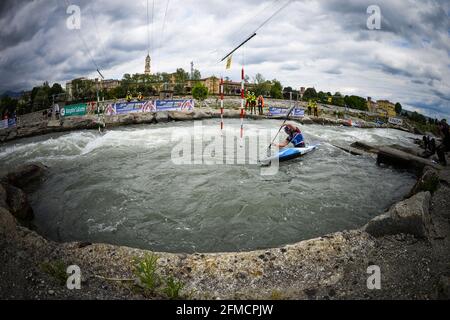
(396, 121)
(4, 124)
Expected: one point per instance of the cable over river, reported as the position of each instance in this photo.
(122, 188)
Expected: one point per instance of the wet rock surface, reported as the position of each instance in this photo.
(18, 204)
(410, 216)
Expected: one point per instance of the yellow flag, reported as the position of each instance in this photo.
(229, 62)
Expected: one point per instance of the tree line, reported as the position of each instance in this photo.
(38, 98)
(83, 90)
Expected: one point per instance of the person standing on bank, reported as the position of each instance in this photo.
(260, 105)
(445, 145)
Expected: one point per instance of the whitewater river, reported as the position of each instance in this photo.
(122, 187)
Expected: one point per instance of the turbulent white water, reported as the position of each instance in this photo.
(122, 187)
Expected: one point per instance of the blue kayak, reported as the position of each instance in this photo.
(289, 154)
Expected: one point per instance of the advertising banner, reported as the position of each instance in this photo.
(12, 122)
(4, 124)
(396, 121)
(74, 110)
(149, 106)
(297, 112)
(175, 105)
(8, 123)
(130, 107)
(274, 111)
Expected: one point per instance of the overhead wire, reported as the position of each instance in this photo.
(86, 47)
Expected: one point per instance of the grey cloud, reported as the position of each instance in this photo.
(322, 38)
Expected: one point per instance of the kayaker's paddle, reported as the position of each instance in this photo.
(287, 117)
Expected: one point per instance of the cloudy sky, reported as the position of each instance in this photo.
(320, 43)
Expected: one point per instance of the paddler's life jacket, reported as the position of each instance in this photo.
(261, 101)
(297, 139)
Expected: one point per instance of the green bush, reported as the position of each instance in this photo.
(200, 92)
(145, 269)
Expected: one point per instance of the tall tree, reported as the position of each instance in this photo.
(276, 91)
(310, 94)
(196, 75)
(181, 77)
(398, 108)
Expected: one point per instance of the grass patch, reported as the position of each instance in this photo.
(57, 270)
(173, 288)
(146, 270)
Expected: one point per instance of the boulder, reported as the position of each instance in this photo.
(3, 197)
(18, 204)
(307, 120)
(411, 216)
(7, 224)
(12, 134)
(54, 124)
(230, 113)
(145, 118)
(429, 181)
(127, 119)
(111, 120)
(161, 117)
(181, 116)
(79, 123)
(201, 114)
(24, 175)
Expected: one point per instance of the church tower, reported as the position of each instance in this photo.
(148, 62)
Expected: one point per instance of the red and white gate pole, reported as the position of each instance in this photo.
(221, 103)
(242, 102)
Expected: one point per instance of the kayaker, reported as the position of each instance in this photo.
(295, 137)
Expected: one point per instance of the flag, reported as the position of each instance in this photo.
(229, 62)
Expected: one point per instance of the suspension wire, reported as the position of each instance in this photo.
(254, 33)
(161, 36)
(153, 29)
(239, 31)
(273, 15)
(88, 51)
(148, 30)
(97, 38)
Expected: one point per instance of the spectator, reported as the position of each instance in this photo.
(432, 146)
(56, 111)
(260, 105)
(445, 145)
(425, 142)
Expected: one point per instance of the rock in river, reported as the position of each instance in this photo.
(411, 216)
(22, 176)
(18, 203)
